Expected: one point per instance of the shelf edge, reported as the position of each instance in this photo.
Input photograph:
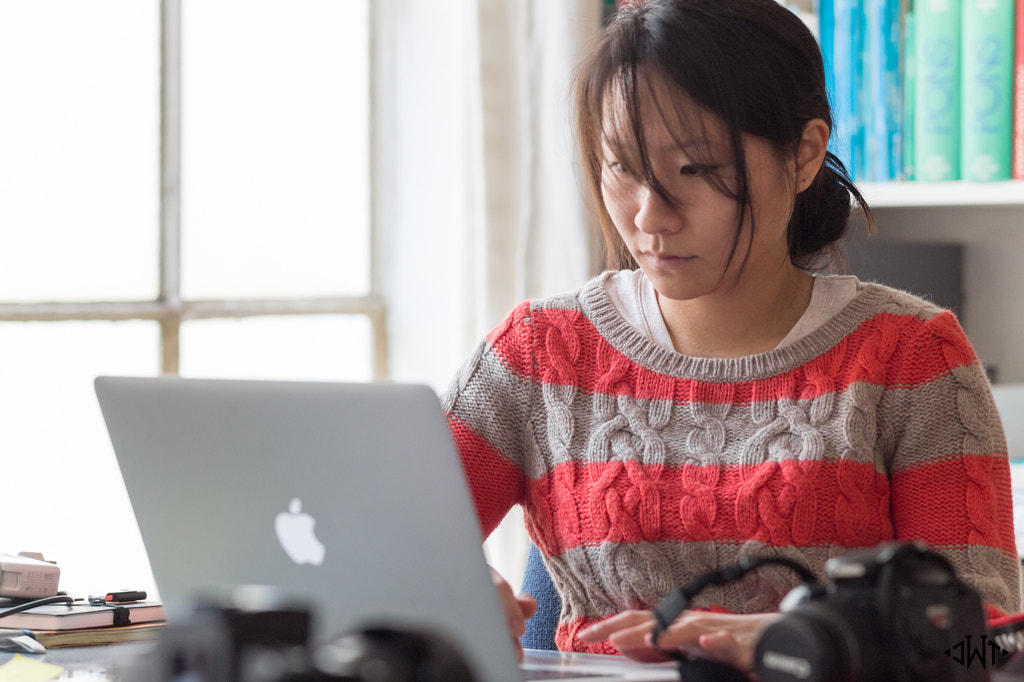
(954, 193)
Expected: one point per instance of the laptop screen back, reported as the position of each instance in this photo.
(349, 497)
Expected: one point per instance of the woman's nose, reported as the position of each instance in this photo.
(655, 213)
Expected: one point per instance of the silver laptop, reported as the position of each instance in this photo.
(349, 497)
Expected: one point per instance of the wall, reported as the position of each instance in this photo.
(993, 275)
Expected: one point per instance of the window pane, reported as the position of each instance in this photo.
(312, 348)
(79, 130)
(274, 148)
(62, 482)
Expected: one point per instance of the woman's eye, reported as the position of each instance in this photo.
(620, 171)
(693, 169)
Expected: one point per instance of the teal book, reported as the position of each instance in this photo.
(861, 96)
(986, 104)
(1017, 132)
(826, 39)
(937, 89)
(870, 54)
(844, 100)
(884, 132)
(909, 69)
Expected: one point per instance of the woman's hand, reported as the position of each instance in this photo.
(518, 609)
(727, 637)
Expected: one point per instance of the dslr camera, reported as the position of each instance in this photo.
(895, 613)
(254, 634)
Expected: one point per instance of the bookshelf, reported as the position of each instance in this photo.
(985, 219)
(988, 220)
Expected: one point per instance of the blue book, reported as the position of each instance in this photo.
(861, 95)
(826, 39)
(843, 83)
(909, 72)
(884, 121)
(869, 109)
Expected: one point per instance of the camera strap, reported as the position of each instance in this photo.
(692, 666)
(678, 600)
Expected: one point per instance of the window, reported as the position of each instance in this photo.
(183, 189)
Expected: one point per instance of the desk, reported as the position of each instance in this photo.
(113, 662)
(91, 663)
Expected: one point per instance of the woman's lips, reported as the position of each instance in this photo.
(666, 260)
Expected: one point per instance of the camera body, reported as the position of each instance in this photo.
(254, 634)
(895, 613)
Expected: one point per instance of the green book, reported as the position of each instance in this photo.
(937, 89)
(986, 86)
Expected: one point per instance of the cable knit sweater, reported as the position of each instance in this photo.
(639, 468)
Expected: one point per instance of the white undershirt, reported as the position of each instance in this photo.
(634, 297)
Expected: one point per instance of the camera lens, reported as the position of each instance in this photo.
(806, 644)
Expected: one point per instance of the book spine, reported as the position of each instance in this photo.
(842, 70)
(861, 97)
(893, 91)
(937, 90)
(909, 70)
(986, 90)
(871, 88)
(826, 40)
(1018, 94)
(885, 121)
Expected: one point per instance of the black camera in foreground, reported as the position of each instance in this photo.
(253, 634)
(896, 613)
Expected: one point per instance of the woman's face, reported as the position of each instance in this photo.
(685, 248)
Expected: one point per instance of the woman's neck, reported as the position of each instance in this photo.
(749, 318)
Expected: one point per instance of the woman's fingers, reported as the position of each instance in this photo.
(725, 647)
(599, 632)
(730, 638)
(517, 609)
(527, 605)
(628, 632)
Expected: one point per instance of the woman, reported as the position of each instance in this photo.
(708, 397)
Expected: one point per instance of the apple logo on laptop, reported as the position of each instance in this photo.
(295, 533)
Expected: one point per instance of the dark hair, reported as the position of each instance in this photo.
(755, 65)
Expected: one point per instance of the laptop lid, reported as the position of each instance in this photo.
(347, 496)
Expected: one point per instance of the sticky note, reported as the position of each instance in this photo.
(24, 669)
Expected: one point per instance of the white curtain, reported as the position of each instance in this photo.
(477, 203)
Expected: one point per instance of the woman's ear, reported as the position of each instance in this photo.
(811, 152)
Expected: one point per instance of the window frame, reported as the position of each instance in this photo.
(169, 310)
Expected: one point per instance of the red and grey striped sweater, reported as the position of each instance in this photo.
(639, 468)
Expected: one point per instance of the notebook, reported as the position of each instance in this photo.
(348, 497)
